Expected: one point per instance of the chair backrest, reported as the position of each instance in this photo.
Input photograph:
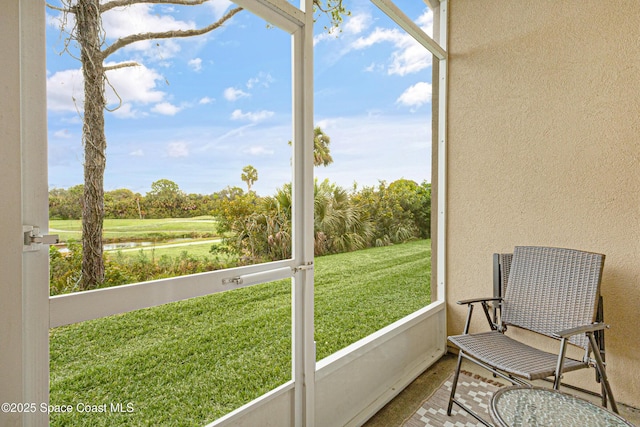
(551, 289)
(501, 269)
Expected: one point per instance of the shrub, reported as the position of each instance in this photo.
(259, 228)
(64, 268)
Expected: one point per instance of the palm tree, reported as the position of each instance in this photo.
(249, 175)
(321, 152)
(339, 225)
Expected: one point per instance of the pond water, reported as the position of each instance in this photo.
(125, 245)
(62, 248)
(141, 245)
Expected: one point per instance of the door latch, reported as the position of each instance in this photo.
(33, 240)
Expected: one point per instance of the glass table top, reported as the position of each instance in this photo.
(537, 406)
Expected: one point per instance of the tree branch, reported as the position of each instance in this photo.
(125, 41)
(121, 65)
(120, 3)
(60, 9)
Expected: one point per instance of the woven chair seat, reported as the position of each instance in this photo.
(510, 356)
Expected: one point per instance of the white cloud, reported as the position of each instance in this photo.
(126, 111)
(378, 35)
(425, 22)
(258, 150)
(373, 67)
(137, 153)
(262, 79)
(195, 64)
(178, 149)
(408, 55)
(139, 18)
(167, 8)
(62, 88)
(256, 116)
(323, 36)
(357, 23)
(412, 58)
(56, 21)
(142, 18)
(206, 100)
(159, 51)
(166, 108)
(416, 95)
(219, 7)
(134, 84)
(233, 94)
(62, 133)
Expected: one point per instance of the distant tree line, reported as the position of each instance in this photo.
(164, 200)
(255, 228)
(258, 228)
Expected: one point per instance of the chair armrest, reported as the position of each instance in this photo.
(581, 330)
(485, 308)
(475, 300)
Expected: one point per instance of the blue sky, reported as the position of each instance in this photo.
(196, 111)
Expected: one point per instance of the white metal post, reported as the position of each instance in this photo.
(35, 208)
(303, 317)
(442, 154)
(11, 360)
(438, 48)
(24, 294)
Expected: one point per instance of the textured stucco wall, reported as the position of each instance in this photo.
(544, 149)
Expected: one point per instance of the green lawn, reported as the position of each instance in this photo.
(188, 363)
(140, 229)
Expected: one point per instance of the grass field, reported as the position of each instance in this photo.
(140, 229)
(188, 363)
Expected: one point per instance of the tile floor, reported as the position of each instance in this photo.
(400, 409)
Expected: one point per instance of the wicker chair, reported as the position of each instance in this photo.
(551, 291)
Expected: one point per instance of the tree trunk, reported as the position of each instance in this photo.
(94, 141)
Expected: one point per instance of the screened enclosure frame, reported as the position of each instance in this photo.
(31, 312)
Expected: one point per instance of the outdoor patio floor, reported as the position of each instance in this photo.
(409, 400)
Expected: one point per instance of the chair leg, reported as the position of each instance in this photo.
(560, 364)
(603, 372)
(455, 383)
